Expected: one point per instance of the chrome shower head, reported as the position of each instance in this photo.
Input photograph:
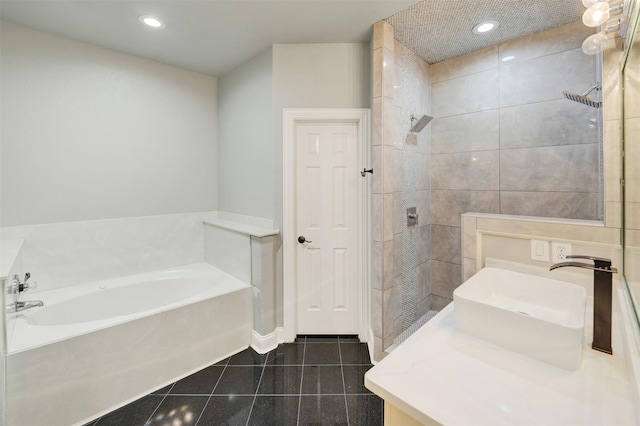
(583, 99)
(421, 123)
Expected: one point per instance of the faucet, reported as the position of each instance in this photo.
(602, 298)
(21, 306)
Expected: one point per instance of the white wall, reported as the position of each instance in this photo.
(251, 99)
(246, 182)
(90, 133)
(314, 76)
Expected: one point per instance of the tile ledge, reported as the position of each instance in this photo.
(580, 222)
(249, 225)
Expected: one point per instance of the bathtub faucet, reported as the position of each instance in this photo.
(602, 298)
(21, 306)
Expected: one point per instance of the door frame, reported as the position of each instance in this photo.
(291, 117)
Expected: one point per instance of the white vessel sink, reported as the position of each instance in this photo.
(537, 317)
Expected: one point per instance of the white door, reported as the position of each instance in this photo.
(326, 210)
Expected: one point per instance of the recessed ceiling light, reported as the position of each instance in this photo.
(508, 58)
(151, 21)
(484, 27)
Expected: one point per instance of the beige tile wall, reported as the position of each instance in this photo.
(401, 264)
(508, 237)
(505, 141)
(384, 293)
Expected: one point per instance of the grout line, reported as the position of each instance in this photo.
(212, 390)
(344, 386)
(255, 396)
(304, 353)
(156, 409)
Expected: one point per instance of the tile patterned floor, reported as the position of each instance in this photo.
(315, 381)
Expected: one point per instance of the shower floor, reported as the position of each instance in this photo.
(412, 329)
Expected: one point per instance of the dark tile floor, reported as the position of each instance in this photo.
(315, 381)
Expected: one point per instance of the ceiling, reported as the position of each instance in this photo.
(437, 30)
(215, 36)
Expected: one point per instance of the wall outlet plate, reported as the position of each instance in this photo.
(540, 250)
(560, 251)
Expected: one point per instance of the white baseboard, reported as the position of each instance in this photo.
(263, 344)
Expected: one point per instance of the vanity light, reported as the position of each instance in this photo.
(151, 21)
(600, 12)
(484, 27)
(595, 43)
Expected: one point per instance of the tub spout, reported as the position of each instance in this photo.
(602, 298)
(21, 306)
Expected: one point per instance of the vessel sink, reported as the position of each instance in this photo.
(537, 317)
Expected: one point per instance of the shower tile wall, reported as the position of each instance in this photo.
(384, 294)
(411, 189)
(401, 254)
(504, 140)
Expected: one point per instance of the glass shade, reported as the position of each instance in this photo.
(595, 44)
(596, 15)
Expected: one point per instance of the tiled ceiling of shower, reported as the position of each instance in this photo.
(438, 30)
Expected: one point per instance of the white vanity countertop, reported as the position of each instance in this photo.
(9, 251)
(441, 374)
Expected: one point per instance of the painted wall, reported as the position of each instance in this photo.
(246, 181)
(505, 140)
(90, 133)
(313, 76)
(316, 76)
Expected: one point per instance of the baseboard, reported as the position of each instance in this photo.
(263, 344)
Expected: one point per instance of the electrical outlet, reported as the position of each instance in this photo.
(560, 251)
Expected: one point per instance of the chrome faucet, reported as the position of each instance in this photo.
(21, 306)
(602, 298)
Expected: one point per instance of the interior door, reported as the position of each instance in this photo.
(326, 209)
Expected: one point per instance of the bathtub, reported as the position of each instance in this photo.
(98, 346)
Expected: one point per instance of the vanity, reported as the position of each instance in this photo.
(443, 375)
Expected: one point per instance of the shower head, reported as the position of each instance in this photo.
(421, 123)
(583, 99)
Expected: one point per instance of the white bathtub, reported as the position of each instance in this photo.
(95, 347)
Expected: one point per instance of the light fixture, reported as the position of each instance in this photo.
(595, 43)
(508, 58)
(600, 12)
(151, 21)
(484, 27)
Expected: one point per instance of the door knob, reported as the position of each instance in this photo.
(302, 240)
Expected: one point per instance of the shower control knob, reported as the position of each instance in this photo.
(302, 240)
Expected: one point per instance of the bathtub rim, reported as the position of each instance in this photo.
(40, 335)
